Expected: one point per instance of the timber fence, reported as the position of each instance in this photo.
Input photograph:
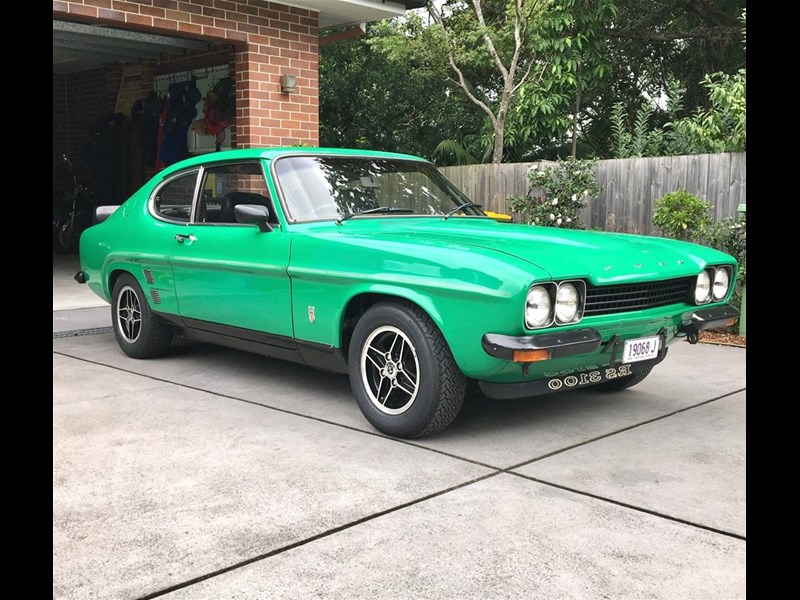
(630, 186)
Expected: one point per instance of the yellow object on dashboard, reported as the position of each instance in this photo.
(503, 218)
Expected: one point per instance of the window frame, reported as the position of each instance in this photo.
(201, 179)
(155, 213)
(199, 172)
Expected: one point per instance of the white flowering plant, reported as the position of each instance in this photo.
(557, 193)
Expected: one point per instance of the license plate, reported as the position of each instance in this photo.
(640, 349)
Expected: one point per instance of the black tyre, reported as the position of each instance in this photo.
(138, 331)
(402, 372)
(69, 234)
(623, 383)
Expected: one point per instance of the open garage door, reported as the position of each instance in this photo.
(80, 47)
(115, 100)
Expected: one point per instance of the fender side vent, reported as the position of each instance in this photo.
(148, 276)
(155, 296)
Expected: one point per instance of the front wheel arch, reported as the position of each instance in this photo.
(402, 372)
(358, 304)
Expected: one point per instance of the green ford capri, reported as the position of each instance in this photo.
(373, 264)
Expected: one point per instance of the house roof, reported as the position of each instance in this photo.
(82, 46)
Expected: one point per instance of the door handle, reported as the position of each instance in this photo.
(183, 237)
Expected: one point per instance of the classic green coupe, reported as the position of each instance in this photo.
(373, 264)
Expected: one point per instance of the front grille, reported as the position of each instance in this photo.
(612, 299)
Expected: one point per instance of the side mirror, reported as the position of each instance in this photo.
(253, 214)
(101, 213)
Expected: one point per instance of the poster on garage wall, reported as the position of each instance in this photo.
(214, 110)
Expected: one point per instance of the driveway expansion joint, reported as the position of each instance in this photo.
(624, 429)
(633, 507)
(315, 537)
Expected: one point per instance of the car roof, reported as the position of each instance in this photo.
(273, 153)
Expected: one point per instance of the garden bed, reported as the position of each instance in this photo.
(723, 337)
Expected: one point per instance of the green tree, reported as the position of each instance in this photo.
(523, 61)
(470, 37)
(653, 42)
(374, 96)
(721, 127)
(549, 112)
(547, 94)
(579, 59)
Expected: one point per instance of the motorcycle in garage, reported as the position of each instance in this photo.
(72, 207)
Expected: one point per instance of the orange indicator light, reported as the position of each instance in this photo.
(524, 356)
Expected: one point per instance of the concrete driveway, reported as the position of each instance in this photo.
(212, 473)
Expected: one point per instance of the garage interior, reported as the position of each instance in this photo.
(125, 102)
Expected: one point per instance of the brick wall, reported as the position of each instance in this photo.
(60, 116)
(89, 96)
(270, 39)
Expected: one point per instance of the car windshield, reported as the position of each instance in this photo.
(332, 187)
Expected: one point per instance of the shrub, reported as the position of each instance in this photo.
(730, 235)
(681, 215)
(556, 194)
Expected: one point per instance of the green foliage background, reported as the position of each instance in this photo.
(628, 77)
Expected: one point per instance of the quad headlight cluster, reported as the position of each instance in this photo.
(712, 285)
(555, 303)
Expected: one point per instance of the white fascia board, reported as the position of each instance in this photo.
(334, 13)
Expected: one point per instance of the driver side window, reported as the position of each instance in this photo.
(226, 186)
(174, 199)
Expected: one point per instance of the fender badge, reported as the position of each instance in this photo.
(661, 264)
(637, 266)
(311, 315)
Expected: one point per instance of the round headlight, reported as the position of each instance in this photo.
(702, 288)
(722, 280)
(567, 303)
(538, 307)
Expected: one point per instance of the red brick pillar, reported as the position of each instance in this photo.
(286, 44)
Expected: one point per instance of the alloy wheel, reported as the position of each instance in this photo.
(129, 314)
(390, 370)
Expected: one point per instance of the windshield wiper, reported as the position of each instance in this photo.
(450, 213)
(379, 209)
